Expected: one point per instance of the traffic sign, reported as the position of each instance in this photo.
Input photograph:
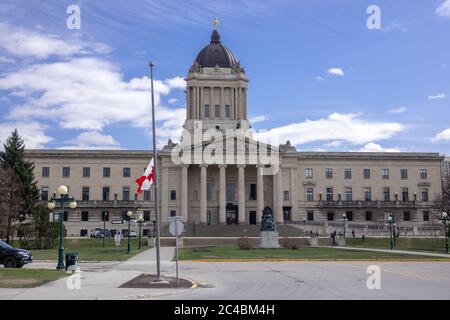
(116, 221)
(176, 228)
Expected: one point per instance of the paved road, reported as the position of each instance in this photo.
(252, 280)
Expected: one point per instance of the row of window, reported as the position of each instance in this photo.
(86, 216)
(367, 194)
(309, 173)
(331, 216)
(126, 194)
(126, 172)
(207, 111)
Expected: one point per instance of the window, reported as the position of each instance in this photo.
(406, 216)
(66, 216)
(386, 194)
(252, 191)
(310, 215)
(66, 172)
(367, 194)
(286, 195)
(405, 194)
(330, 216)
(86, 172)
(126, 193)
(217, 111)
(329, 193)
(147, 195)
(126, 172)
(308, 173)
(106, 172)
(84, 215)
(105, 215)
(105, 194)
(368, 215)
(423, 174)
(85, 194)
(146, 215)
(366, 173)
(206, 112)
(309, 194)
(173, 195)
(349, 215)
(328, 173)
(209, 191)
(404, 174)
(348, 194)
(385, 174)
(426, 216)
(230, 191)
(424, 192)
(348, 173)
(227, 112)
(173, 213)
(45, 172)
(83, 232)
(44, 193)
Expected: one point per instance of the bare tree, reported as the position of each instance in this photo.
(10, 201)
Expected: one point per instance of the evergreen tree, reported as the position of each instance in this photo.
(14, 157)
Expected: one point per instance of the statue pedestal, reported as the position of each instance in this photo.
(268, 239)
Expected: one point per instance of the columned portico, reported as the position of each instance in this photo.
(241, 193)
(259, 192)
(203, 195)
(222, 198)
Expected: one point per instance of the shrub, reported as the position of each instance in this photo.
(244, 243)
(289, 243)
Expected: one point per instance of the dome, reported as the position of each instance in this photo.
(216, 54)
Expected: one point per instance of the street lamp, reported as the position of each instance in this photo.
(445, 222)
(140, 221)
(63, 198)
(390, 223)
(129, 214)
(105, 214)
(344, 220)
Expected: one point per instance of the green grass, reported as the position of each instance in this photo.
(92, 250)
(311, 253)
(28, 278)
(411, 244)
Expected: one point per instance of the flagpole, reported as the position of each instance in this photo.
(155, 183)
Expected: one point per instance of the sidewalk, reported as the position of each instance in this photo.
(416, 253)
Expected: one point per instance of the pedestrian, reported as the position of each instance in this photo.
(333, 239)
(363, 237)
(311, 233)
(353, 233)
(317, 234)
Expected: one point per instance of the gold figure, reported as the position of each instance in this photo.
(216, 23)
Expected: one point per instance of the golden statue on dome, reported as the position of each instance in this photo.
(216, 23)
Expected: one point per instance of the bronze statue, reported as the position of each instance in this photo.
(268, 222)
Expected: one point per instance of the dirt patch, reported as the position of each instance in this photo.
(146, 281)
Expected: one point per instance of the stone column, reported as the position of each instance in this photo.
(184, 192)
(294, 194)
(203, 200)
(194, 102)
(164, 193)
(259, 192)
(278, 197)
(241, 193)
(222, 193)
(222, 103)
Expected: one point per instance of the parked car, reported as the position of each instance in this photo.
(98, 233)
(14, 258)
(133, 234)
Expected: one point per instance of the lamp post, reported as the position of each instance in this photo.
(63, 198)
(140, 221)
(344, 221)
(390, 222)
(129, 214)
(105, 214)
(445, 222)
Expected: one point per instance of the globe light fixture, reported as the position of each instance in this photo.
(51, 205)
(62, 190)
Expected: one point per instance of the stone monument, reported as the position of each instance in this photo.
(268, 234)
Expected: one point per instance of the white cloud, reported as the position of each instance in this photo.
(335, 72)
(438, 96)
(373, 147)
(319, 78)
(33, 133)
(444, 9)
(442, 136)
(93, 140)
(350, 128)
(29, 43)
(7, 60)
(173, 100)
(176, 83)
(259, 118)
(398, 110)
(334, 144)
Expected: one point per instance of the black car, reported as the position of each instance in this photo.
(14, 258)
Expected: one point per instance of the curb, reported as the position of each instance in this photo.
(317, 260)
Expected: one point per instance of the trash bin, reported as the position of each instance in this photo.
(71, 260)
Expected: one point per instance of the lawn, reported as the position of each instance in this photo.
(412, 244)
(92, 250)
(308, 253)
(28, 278)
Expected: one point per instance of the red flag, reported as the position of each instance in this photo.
(146, 180)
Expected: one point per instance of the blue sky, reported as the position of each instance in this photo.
(319, 76)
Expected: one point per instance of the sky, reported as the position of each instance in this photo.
(319, 76)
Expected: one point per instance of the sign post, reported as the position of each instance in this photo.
(176, 228)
